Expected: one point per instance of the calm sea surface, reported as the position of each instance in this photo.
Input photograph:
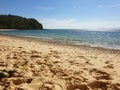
(108, 39)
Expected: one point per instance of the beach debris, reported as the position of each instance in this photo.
(7, 73)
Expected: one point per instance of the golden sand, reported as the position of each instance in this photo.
(29, 64)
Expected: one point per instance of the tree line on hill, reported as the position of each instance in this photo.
(18, 22)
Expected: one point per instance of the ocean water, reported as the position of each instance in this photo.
(107, 39)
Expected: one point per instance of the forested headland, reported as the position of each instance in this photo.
(18, 22)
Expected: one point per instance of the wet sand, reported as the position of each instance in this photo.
(32, 64)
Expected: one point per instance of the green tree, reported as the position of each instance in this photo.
(18, 22)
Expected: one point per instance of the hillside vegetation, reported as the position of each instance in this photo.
(18, 22)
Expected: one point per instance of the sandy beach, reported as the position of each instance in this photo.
(30, 64)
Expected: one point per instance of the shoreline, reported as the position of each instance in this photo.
(55, 42)
(73, 42)
(34, 64)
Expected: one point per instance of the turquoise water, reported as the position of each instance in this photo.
(108, 39)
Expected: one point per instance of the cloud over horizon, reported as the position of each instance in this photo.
(73, 23)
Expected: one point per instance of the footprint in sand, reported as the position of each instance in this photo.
(77, 87)
(51, 86)
(58, 87)
(110, 66)
(98, 74)
(100, 85)
(95, 85)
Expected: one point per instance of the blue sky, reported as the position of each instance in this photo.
(77, 14)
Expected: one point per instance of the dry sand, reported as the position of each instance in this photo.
(29, 64)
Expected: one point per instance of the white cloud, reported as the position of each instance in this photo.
(72, 23)
(100, 6)
(115, 5)
(109, 6)
(45, 8)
